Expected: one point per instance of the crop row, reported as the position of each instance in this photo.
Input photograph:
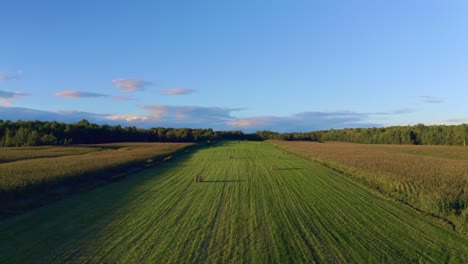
(415, 175)
(22, 153)
(18, 178)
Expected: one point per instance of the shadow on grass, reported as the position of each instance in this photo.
(82, 216)
(223, 181)
(38, 195)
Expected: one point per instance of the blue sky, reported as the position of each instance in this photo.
(249, 65)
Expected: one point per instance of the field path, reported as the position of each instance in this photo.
(256, 205)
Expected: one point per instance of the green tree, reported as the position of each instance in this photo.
(34, 138)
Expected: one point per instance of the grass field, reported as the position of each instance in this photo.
(431, 178)
(256, 205)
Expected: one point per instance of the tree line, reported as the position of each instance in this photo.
(408, 135)
(411, 135)
(36, 133)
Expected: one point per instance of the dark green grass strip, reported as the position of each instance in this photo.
(244, 212)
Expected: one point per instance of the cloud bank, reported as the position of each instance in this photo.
(189, 116)
(304, 121)
(218, 118)
(16, 113)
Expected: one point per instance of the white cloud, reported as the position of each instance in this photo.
(3, 77)
(432, 100)
(129, 85)
(128, 118)
(402, 111)
(5, 102)
(157, 111)
(123, 98)
(79, 94)
(248, 122)
(455, 121)
(180, 115)
(6, 77)
(6, 97)
(177, 91)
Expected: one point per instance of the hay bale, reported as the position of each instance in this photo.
(198, 178)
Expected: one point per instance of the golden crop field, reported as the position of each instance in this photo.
(43, 169)
(441, 151)
(21, 153)
(433, 179)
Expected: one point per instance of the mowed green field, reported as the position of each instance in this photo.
(244, 212)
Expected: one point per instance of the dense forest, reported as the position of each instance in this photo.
(36, 133)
